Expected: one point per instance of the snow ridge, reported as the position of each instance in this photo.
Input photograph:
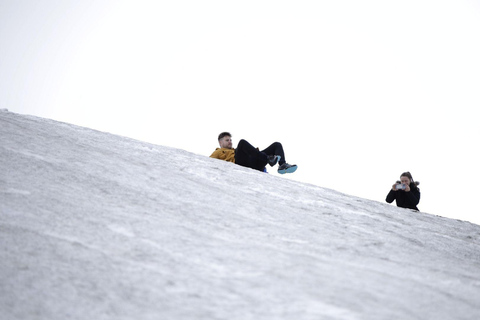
(98, 226)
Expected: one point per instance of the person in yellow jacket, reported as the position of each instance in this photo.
(247, 155)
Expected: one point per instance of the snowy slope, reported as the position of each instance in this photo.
(98, 226)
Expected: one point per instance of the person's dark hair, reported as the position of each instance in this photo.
(409, 176)
(223, 134)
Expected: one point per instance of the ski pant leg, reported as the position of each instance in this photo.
(247, 155)
(276, 148)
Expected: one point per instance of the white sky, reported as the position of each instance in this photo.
(356, 91)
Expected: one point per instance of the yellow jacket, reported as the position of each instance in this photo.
(224, 154)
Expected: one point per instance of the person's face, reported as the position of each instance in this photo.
(405, 180)
(225, 142)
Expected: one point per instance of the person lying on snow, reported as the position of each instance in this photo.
(248, 156)
(405, 192)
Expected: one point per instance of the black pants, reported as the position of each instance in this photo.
(248, 156)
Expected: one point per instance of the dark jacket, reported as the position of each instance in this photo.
(404, 199)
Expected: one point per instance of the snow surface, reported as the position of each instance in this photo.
(98, 226)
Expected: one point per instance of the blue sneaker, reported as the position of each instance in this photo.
(287, 168)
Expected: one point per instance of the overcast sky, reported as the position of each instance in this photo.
(356, 91)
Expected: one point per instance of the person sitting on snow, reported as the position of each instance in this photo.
(247, 155)
(405, 192)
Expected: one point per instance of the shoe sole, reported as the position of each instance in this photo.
(292, 169)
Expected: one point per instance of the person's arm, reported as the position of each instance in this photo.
(224, 154)
(392, 195)
(413, 196)
(216, 154)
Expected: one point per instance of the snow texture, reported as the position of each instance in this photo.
(98, 226)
